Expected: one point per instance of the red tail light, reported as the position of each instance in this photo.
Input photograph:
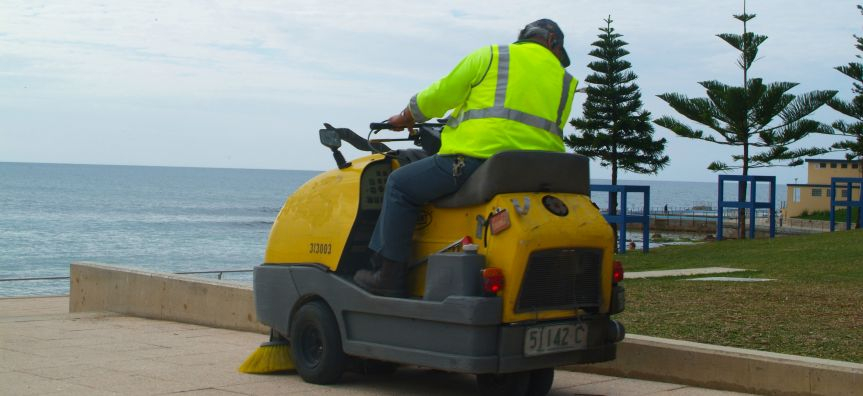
(492, 280)
(617, 272)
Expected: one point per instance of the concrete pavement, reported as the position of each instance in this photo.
(45, 350)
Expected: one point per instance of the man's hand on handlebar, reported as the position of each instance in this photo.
(402, 120)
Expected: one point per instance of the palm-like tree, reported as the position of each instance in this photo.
(763, 119)
(853, 131)
(614, 128)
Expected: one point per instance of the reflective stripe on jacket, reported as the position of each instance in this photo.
(515, 97)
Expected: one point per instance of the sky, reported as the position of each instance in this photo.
(247, 84)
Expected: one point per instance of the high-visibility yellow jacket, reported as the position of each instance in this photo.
(515, 97)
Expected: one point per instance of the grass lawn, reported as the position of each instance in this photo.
(814, 307)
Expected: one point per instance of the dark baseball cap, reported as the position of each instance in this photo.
(542, 27)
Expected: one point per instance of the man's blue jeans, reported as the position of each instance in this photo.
(408, 189)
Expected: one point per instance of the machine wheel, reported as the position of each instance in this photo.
(540, 381)
(509, 384)
(316, 344)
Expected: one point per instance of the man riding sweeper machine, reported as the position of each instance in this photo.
(512, 276)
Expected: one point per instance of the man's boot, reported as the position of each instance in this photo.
(388, 280)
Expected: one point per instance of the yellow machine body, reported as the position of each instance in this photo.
(316, 222)
(509, 250)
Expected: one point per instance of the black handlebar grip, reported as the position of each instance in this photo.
(376, 126)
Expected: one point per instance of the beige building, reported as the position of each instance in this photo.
(814, 196)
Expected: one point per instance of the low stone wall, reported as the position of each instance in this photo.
(735, 369)
(97, 287)
(179, 298)
(695, 226)
(680, 224)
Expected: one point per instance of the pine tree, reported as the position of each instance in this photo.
(853, 147)
(744, 116)
(613, 127)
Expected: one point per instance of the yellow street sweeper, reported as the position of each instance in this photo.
(512, 275)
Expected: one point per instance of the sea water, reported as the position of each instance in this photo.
(155, 218)
(165, 219)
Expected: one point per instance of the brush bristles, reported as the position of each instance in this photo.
(268, 358)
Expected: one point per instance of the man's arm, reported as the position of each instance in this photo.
(448, 92)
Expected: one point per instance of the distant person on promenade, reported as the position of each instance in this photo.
(666, 209)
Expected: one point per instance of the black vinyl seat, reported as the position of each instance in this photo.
(522, 171)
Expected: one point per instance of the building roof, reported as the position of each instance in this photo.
(831, 160)
(840, 186)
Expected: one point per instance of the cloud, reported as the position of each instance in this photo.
(225, 64)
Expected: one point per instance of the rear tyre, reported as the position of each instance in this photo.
(316, 344)
(509, 384)
(540, 381)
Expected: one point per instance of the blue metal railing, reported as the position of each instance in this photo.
(848, 203)
(623, 218)
(752, 204)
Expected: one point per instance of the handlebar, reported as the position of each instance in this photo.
(425, 135)
(377, 126)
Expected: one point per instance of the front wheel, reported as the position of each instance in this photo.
(316, 344)
(509, 384)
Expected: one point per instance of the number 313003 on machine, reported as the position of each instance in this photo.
(540, 340)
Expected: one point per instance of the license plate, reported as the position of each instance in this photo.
(540, 340)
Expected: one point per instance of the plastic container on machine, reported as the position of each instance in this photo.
(454, 274)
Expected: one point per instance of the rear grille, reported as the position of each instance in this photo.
(561, 279)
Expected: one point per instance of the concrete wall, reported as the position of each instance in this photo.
(96, 287)
(734, 369)
(683, 224)
(179, 298)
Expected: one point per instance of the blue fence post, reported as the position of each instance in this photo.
(622, 218)
(645, 229)
(621, 226)
(772, 210)
(720, 210)
(848, 203)
(849, 211)
(833, 204)
(752, 204)
(752, 188)
(859, 201)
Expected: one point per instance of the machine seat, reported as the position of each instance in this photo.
(522, 171)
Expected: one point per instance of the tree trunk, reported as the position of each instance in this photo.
(741, 195)
(741, 186)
